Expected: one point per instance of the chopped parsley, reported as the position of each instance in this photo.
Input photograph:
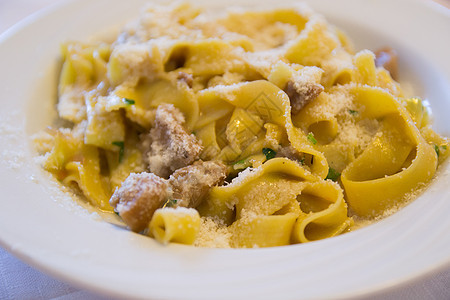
(128, 101)
(241, 164)
(311, 138)
(353, 112)
(333, 174)
(302, 160)
(269, 153)
(170, 203)
(438, 151)
(121, 146)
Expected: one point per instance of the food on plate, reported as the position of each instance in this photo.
(244, 129)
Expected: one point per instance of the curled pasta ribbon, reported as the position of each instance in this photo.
(71, 161)
(314, 44)
(366, 73)
(311, 211)
(221, 200)
(342, 68)
(103, 128)
(324, 212)
(318, 211)
(319, 117)
(269, 103)
(84, 68)
(262, 231)
(83, 64)
(394, 164)
(86, 173)
(338, 69)
(262, 206)
(147, 97)
(175, 225)
(206, 57)
(251, 24)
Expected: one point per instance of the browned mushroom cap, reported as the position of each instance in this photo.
(387, 58)
(171, 146)
(301, 94)
(191, 184)
(138, 198)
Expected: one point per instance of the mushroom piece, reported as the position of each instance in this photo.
(301, 94)
(387, 58)
(138, 198)
(169, 145)
(191, 184)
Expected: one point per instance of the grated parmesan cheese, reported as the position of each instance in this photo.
(212, 235)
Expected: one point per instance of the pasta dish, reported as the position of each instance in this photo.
(245, 129)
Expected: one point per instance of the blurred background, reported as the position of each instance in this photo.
(12, 11)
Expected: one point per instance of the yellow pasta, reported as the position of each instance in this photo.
(265, 124)
(263, 231)
(103, 128)
(171, 225)
(384, 172)
(313, 44)
(324, 212)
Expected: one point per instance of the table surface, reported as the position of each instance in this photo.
(21, 281)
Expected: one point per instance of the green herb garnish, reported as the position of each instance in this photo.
(121, 146)
(353, 112)
(269, 153)
(241, 164)
(302, 161)
(333, 174)
(311, 138)
(170, 203)
(128, 101)
(438, 151)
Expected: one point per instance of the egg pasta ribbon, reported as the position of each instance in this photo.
(262, 205)
(72, 161)
(323, 212)
(170, 225)
(270, 104)
(394, 164)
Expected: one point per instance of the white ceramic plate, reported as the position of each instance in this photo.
(43, 226)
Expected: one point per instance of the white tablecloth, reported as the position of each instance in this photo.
(20, 281)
